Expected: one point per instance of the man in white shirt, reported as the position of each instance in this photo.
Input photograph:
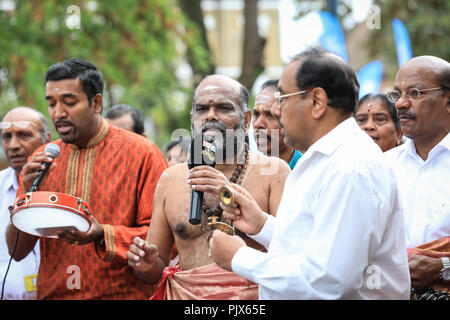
(422, 165)
(339, 230)
(22, 130)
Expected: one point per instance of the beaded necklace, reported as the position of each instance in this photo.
(236, 177)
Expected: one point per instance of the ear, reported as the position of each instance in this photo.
(447, 101)
(320, 103)
(48, 137)
(399, 135)
(97, 103)
(247, 120)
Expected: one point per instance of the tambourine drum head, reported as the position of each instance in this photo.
(43, 213)
(44, 222)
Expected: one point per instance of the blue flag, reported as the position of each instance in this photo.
(402, 43)
(332, 37)
(369, 78)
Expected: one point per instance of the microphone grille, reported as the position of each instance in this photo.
(53, 149)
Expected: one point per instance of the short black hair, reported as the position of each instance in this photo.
(184, 142)
(385, 101)
(320, 68)
(122, 109)
(89, 75)
(271, 83)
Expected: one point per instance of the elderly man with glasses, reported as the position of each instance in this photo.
(22, 131)
(422, 165)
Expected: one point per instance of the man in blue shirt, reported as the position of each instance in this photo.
(268, 136)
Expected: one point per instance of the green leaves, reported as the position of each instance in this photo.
(133, 43)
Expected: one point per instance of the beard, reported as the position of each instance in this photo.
(229, 142)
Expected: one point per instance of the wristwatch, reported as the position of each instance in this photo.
(445, 271)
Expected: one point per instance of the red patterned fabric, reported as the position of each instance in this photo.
(208, 282)
(436, 249)
(119, 180)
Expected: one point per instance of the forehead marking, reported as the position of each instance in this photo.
(211, 87)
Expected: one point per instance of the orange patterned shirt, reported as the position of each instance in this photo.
(117, 175)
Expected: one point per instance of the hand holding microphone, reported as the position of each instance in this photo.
(202, 152)
(34, 171)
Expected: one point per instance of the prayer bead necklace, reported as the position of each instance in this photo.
(237, 178)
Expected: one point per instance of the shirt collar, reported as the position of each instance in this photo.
(443, 144)
(11, 179)
(333, 139)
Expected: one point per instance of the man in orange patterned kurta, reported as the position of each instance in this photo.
(113, 170)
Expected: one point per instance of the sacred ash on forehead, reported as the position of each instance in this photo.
(211, 87)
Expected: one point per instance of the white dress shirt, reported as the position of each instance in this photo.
(339, 231)
(424, 189)
(15, 281)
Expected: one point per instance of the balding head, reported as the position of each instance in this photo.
(430, 66)
(22, 114)
(428, 62)
(23, 130)
(218, 81)
(32, 115)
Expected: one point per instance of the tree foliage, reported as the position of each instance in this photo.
(428, 26)
(137, 45)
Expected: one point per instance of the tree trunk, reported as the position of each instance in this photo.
(253, 46)
(192, 9)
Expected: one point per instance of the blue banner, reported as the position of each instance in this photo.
(332, 37)
(402, 43)
(370, 77)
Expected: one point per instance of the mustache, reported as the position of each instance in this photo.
(279, 122)
(59, 122)
(214, 125)
(262, 133)
(405, 114)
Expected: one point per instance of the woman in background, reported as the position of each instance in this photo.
(377, 116)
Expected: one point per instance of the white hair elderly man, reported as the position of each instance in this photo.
(23, 129)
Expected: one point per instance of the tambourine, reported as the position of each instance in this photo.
(42, 213)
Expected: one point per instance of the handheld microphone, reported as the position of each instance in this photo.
(53, 150)
(201, 152)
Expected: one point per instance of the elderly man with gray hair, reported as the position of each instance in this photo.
(22, 130)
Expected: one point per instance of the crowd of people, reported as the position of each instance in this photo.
(345, 198)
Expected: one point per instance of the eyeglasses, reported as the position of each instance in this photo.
(411, 93)
(17, 124)
(279, 97)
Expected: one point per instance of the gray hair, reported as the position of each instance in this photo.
(45, 129)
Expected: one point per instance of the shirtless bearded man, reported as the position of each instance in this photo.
(219, 105)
